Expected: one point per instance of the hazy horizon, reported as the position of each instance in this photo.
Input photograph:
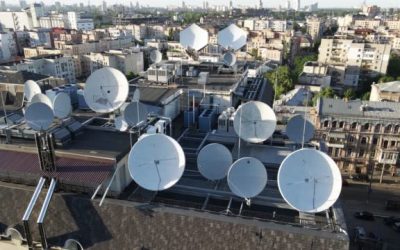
(266, 3)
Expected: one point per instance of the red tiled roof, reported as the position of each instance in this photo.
(88, 173)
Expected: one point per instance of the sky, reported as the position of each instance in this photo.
(267, 3)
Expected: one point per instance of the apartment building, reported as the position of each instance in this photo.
(367, 23)
(315, 27)
(40, 51)
(8, 47)
(360, 135)
(387, 91)
(127, 60)
(275, 55)
(354, 59)
(52, 65)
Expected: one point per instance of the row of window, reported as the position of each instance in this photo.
(366, 127)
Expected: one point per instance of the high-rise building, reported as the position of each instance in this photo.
(261, 4)
(23, 4)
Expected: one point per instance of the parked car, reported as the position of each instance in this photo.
(360, 177)
(392, 205)
(396, 226)
(359, 234)
(364, 215)
(391, 220)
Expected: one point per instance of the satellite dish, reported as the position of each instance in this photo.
(134, 113)
(193, 37)
(247, 177)
(254, 122)
(309, 180)
(156, 162)
(120, 124)
(62, 105)
(31, 88)
(106, 90)
(39, 116)
(232, 37)
(136, 95)
(155, 56)
(214, 161)
(229, 59)
(43, 99)
(295, 129)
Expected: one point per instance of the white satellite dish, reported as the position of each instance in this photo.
(254, 122)
(31, 88)
(229, 59)
(309, 180)
(106, 90)
(247, 177)
(299, 129)
(62, 105)
(155, 56)
(232, 37)
(136, 95)
(39, 116)
(120, 124)
(214, 161)
(134, 113)
(43, 99)
(193, 37)
(156, 162)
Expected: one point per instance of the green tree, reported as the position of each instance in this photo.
(280, 79)
(365, 96)
(131, 75)
(327, 92)
(298, 65)
(386, 79)
(393, 69)
(349, 94)
(170, 34)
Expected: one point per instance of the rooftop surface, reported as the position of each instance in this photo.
(389, 86)
(358, 108)
(19, 77)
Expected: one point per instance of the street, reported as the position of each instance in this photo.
(355, 198)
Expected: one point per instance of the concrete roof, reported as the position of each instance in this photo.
(389, 86)
(390, 110)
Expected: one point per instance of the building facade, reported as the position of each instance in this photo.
(360, 135)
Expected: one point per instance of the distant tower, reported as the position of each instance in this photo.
(230, 5)
(288, 5)
(261, 5)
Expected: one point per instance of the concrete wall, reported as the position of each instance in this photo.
(128, 225)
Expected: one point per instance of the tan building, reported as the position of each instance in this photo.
(40, 51)
(357, 58)
(315, 28)
(393, 24)
(274, 55)
(367, 23)
(126, 61)
(360, 134)
(387, 91)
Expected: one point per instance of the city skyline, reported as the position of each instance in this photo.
(266, 4)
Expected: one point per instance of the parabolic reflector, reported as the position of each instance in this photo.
(254, 122)
(298, 128)
(156, 162)
(309, 180)
(247, 177)
(214, 161)
(106, 90)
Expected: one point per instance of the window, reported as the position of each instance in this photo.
(364, 140)
(361, 153)
(388, 128)
(385, 144)
(393, 143)
(397, 129)
(354, 125)
(372, 153)
(375, 141)
(341, 124)
(366, 126)
(349, 151)
(377, 128)
(334, 123)
(326, 124)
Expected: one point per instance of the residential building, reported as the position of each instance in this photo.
(8, 48)
(53, 65)
(19, 20)
(127, 60)
(315, 28)
(387, 91)
(40, 51)
(54, 20)
(367, 23)
(274, 55)
(360, 135)
(78, 23)
(356, 58)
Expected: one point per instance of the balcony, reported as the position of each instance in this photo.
(387, 156)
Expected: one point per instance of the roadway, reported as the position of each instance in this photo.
(355, 198)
